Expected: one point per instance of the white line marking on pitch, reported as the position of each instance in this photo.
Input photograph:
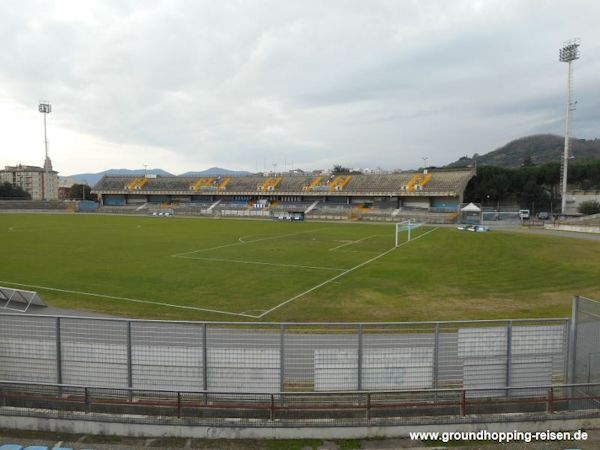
(314, 288)
(135, 300)
(241, 261)
(352, 242)
(246, 242)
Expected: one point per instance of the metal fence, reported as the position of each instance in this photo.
(586, 341)
(280, 358)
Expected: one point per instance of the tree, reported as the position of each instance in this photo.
(7, 190)
(527, 161)
(491, 183)
(589, 207)
(530, 183)
(339, 169)
(533, 195)
(81, 192)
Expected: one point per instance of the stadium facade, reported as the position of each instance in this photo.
(437, 191)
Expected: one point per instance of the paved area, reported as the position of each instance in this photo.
(81, 442)
(543, 231)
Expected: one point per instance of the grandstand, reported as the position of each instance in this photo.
(430, 194)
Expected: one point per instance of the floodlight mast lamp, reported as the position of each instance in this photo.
(568, 53)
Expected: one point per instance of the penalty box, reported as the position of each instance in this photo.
(337, 248)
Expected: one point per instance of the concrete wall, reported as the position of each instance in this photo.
(576, 198)
(127, 426)
(576, 228)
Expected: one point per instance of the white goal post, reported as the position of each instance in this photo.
(406, 225)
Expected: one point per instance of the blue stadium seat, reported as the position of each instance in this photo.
(36, 447)
(11, 447)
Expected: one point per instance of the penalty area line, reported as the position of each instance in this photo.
(351, 243)
(261, 263)
(127, 299)
(314, 288)
(240, 242)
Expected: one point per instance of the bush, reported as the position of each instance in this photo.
(589, 207)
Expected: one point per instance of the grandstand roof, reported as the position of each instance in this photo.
(436, 183)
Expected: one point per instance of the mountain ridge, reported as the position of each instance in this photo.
(539, 148)
(93, 178)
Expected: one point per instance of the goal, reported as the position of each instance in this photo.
(405, 226)
(18, 299)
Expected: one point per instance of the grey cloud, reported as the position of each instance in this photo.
(363, 84)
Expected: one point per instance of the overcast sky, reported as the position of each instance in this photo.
(186, 85)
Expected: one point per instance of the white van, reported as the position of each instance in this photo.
(524, 214)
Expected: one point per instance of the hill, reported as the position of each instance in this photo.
(541, 148)
(93, 178)
(216, 171)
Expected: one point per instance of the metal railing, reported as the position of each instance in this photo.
(293, 408)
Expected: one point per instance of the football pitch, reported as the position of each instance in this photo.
(251, 270)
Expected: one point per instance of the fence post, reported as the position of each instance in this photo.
(359, 364)
(59, 377)
(368, 406)
(129, 359)
(281, 357)
(272, 409)
(178, 405)
(463, 403)
(572, 350)
(204, 362)
(86, 394)
(508, 356)
(436, 356)
(550, 402)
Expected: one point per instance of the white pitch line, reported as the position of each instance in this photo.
(246, 242)
(135, 300)
(314, 288)
(352, 242)
(241, 261)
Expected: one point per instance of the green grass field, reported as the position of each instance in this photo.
(243, 270)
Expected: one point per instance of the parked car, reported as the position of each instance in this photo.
(475, 228)
(543, 215)
(524, 214)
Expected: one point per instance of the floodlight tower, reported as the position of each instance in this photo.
(46, 108)
(568, 53)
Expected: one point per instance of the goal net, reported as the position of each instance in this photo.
(404, 230)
